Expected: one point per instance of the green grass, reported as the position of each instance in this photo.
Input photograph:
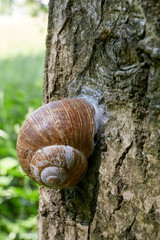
(22, 46)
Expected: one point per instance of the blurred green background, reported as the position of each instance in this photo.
(23, 27)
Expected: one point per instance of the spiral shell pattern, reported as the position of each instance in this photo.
(55, 141)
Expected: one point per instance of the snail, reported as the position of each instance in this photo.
(55, 142)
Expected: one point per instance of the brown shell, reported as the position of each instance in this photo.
(68, 122)
(58, 166)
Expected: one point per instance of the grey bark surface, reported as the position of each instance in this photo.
(109, 51)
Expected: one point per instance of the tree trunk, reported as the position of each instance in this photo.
(109, 51)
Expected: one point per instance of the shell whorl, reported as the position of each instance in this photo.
(58, 166)
(55, 141)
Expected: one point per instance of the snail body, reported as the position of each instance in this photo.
(55, 141)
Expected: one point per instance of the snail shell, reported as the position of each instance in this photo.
(55, 141)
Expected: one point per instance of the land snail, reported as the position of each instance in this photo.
(55, 142)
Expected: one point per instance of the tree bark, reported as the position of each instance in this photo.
(109, 51)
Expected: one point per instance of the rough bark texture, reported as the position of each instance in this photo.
(110, 51)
